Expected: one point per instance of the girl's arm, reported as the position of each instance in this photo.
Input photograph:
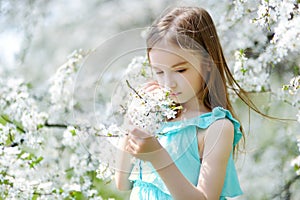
(123, 167)
(218, 145)
(217, 149)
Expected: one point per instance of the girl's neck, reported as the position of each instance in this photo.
(194, 106)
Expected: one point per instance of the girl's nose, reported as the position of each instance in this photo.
(170, 83)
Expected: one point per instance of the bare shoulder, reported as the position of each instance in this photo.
(219, 126)
(225, 125)
(221, 130)
(218, 140)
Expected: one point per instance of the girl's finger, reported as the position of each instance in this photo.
(139, 134)
(133, 147)
(151, 88)
(133, 143)
(130, 150)
(150, 84)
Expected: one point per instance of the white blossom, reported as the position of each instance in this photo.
(239, 9)
(104, 172)
(149, 109)
(62, 84)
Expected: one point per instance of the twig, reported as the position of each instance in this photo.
(64, 126)
(135, 91)
(11, 122)
(56, 125)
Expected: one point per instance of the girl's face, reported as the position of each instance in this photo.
(177, 70)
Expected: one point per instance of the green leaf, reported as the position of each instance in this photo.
(40, 126)
(143, 72)
(39, 159)
(73, 132)
(36, 161)
(167, 93)
(61, 190)
(109, 134)
(19, 126)
(285, 87)
(296, 167)
(296, 70)
(35, 197)
(29, 85)
(243, 70)
(2, 121)
(69, 173)
(76, 194)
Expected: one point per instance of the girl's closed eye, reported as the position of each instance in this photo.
(181, 70)
(159, 72)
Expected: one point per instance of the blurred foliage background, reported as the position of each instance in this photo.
(37, 36)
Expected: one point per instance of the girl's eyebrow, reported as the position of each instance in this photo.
(175, 65)
(178, 64)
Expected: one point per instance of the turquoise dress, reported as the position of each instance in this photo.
(179, 138)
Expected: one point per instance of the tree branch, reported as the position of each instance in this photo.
(56, 125)
(285, 192)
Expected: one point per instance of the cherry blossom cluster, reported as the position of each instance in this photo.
(34, 156)
(62, 83)
(21, 127)
(270, 38)
(293, 89)
(149, 109)
(63, 160)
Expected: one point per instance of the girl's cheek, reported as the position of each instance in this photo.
(180, 78)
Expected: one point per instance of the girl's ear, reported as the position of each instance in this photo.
(210, 65)
(208, 68)
(207, 71)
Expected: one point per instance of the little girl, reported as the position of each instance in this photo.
(192, 158)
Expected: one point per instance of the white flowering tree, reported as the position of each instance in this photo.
(52, 147)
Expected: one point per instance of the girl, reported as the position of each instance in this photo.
(192, 158)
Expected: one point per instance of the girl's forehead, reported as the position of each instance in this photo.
(170, 56)
(164, 56)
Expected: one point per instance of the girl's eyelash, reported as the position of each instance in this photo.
(181, 70)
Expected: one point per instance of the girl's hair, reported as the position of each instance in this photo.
(192, 28)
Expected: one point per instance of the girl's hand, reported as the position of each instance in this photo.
(142, 145)
(150, 86)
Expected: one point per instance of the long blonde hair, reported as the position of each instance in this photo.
(196, 24)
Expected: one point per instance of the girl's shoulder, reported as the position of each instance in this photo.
(221, 131)
(223, 124)
(221, 119)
